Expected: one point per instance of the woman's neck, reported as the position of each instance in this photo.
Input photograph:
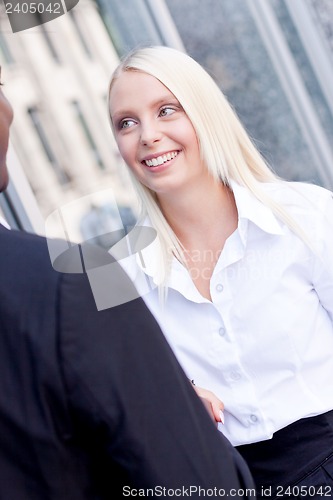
(202, 213)
(202, 219)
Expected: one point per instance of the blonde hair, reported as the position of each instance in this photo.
(225, 147)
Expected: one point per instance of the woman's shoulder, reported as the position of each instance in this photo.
(299, 195)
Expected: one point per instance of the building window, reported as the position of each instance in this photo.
(87, 133)
(5, 50)
(130, 24)
(257, 53)
(84, 40)
(35, 118)
(49, 43)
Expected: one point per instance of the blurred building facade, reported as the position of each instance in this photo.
(272, 58)
(57, 78)
(274, 61)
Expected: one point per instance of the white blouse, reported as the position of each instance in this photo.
(4, 223)
(264, 344)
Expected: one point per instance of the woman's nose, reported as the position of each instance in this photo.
(149, 134)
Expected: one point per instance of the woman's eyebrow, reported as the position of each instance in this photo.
(168, 99)
(161, 100)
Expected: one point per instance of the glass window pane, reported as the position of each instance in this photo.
(129, 24)
(227, 42)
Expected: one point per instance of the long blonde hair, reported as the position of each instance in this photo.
(225, 147)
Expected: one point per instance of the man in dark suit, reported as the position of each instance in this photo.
(93, 404)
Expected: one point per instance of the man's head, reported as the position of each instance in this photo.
(6, 117)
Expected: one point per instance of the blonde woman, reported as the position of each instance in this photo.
(240, 277)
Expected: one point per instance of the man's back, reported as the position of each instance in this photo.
(92, 402)
(36, 458)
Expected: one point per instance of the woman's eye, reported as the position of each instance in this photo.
(167, 111)
(126, 124)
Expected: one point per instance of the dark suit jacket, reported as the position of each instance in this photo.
(93, 402)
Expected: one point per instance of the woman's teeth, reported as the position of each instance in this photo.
(160, 159)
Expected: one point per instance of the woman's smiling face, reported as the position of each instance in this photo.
(154, 135)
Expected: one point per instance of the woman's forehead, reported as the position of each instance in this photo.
(137, 85)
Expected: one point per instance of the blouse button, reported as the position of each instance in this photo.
(254, 419)
(222, 331)
(219, 287)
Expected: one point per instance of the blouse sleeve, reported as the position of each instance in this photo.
(323, 245)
